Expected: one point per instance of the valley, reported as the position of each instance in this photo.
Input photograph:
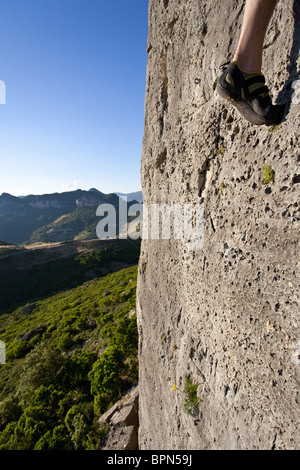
(67, 320)
(33, 272)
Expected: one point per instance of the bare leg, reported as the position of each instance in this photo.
(257, 15)
(242, 84)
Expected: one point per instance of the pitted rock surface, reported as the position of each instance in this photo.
(227, 314)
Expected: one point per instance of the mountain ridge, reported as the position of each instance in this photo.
(52, 217)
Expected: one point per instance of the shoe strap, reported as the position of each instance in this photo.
(259, 91)
(223, 66)
(245, 83)
(259, 78)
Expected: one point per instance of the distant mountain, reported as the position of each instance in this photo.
(137, 196)
(52, 217)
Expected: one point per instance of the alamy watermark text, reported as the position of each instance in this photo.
(153, 222)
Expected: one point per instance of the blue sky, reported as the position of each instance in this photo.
(75, 74)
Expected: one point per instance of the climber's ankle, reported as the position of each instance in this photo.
(248, 64)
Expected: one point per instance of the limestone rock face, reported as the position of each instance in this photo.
(225, 314)
(122, 419)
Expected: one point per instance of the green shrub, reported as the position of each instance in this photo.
(191, 400)
(54, 387)
(268, 174)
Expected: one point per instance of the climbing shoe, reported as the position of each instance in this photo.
(249, 94)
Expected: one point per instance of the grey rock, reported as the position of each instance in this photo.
(27, 309)
(35, 331)
(131, 313)
(122, 438)
(227, 314)
(106, 294)
(123, 421)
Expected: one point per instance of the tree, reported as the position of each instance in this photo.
(105, 378)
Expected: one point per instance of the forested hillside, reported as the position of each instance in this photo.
(68, 358)
(30, 274)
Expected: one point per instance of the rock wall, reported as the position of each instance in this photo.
(123, 421)
(225, 315)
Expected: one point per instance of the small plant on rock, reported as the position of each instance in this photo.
(190, 397)
(191, 400)
(268, 174)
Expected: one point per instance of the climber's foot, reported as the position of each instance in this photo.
(249, 94)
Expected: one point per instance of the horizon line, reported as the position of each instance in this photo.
(70, 191)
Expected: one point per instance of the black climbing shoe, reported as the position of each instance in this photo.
(249, 95)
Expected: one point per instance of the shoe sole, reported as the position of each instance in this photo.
(245, 109)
